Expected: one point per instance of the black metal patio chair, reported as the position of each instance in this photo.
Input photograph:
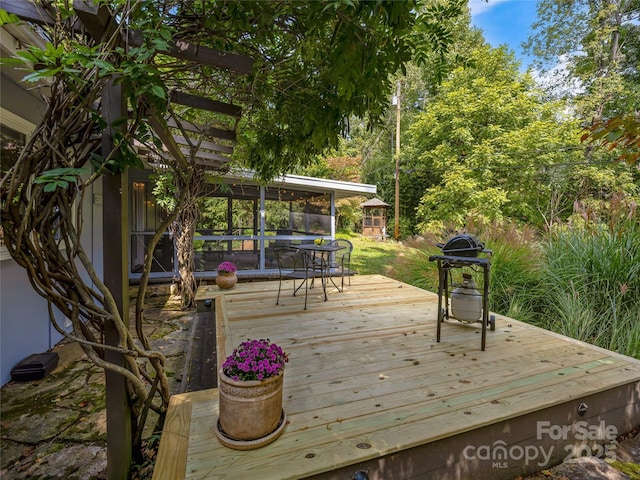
(297, 264)
(341, 262)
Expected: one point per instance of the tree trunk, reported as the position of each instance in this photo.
(191, 186)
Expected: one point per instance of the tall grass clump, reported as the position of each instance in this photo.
(591, 275)
(514, 271)
(413, 265)
(515, 268)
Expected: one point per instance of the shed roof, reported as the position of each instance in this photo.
(374, 202)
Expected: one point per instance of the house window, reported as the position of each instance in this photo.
(227, 230)
(146, 217)
(14, 133)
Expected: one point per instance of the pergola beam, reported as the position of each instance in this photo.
(167, 139)
(200, 155)
(207, 104)
(100, 24)
(210, 164)
(204, 130)
(28, 11)
(99, 21)
(96, 18)
(204, 145)
(192, 52)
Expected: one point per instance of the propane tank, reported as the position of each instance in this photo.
(466, 301)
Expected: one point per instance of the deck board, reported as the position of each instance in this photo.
(365, 369)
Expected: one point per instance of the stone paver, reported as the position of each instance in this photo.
(55, 428)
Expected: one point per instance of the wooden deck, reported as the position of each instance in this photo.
(369, 389)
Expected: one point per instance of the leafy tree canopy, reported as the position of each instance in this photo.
(599, 43)
(492, 148)
(317, 64)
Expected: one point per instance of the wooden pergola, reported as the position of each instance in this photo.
(215, 144)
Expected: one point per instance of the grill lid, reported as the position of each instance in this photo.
(463, 245)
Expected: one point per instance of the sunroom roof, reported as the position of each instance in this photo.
(238, 180)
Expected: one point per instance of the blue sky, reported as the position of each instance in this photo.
(505, 22)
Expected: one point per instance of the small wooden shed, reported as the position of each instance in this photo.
(374, 218)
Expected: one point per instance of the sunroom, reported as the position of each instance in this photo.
(240, 220)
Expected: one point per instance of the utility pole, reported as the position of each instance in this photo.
(397, 205)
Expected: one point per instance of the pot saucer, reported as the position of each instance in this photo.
(250, 444)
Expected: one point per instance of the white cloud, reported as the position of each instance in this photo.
(480, 6)
(557, 81)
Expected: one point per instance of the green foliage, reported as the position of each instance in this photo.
(581, 281)
(487, 136)
(320, 63)
(476, 144)
(599, 44)
(213, 213)
(349, 214)
(435, 34)
(591, 276)
(165, 190)
(7, 18)
(278, 215)
(59, 60)
(60, 178)
(631, 469)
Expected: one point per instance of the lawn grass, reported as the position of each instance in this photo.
(371, 256)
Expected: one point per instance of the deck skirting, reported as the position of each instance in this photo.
(516, 447)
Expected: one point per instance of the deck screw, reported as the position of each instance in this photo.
(582, 409)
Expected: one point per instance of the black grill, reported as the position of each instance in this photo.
(461, 252)
(463, 245)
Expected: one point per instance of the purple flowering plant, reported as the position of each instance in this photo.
(227, 267)
(255, 360)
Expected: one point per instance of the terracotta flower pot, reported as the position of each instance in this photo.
(225, 281)
(249, 409)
